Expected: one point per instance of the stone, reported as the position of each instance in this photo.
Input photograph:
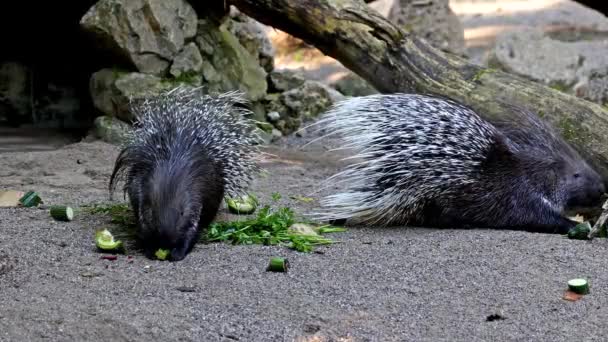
(111, 90)
(273, 116)
(188, 61)
(276, 134)
(353, 85)
(253, 36)
(227, 65)
(304, 103)
(111, 129)
(573, 66)
(432, 20)
(148, 33)
(284, 80)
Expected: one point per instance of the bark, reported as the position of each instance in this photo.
(394, 61)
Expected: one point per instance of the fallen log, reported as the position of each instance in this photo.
(393, 60)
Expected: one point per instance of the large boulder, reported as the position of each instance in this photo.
(112, 90)
(296, 100)
(577, 66)
(431, 20)
(227, 65)
(148, 33)
(253, 36)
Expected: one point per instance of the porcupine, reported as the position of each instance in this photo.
(185, 153)
(427, 160)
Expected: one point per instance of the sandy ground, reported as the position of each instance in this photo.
(400, 284)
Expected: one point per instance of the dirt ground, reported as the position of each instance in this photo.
(400, 284)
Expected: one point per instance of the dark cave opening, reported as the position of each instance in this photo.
(46, 62)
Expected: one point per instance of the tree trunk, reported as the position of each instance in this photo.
(394, 61)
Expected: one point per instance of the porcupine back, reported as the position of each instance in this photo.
(427, 160)
(185, 152)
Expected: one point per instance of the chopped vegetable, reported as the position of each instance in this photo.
(62, 213)
(244, 205)
(578, 286)
(30, 199)
(580, 231)
(270, 227)
(162, 254)
(104, 240)
(278, 264)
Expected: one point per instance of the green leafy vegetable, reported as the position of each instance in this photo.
(270, 227)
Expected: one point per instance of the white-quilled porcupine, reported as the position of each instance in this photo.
(186, 151)
(427, 160)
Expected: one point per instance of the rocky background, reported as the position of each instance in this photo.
(89, 60)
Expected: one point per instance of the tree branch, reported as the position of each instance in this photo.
(394, 61)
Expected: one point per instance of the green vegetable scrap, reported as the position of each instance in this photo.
(104, 240)
(62, 213)
(579, 286)
(580, 231)
(278, 264)
(270, 227)
(243, 205)
(162, 254)
(30, 199)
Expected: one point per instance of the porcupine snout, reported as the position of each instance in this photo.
(170, 214)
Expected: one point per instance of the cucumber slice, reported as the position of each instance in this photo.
(278, 264)
(243, 205)
(30, 199)
(161, 254)
(62, 213)
(578, 285)
(580, 231)
(104, 240)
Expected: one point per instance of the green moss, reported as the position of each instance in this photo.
(117, 72)
(265, 126)
(481, 72)
(560, 86)
(571, 131)
(188, 77)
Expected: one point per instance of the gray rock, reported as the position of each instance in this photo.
(111, 90)
(15, 104)
(252, 35)
(227, 65)
(594, 88)
(273, 116)
(189, 61)
(276, 134)
(284, 80)
(561, 64)
(431, 20)
(353, 85)
(304, 103)
(149, 33)
(111, 129)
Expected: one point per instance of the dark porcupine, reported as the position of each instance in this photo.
(185, 153)
(425, 160)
